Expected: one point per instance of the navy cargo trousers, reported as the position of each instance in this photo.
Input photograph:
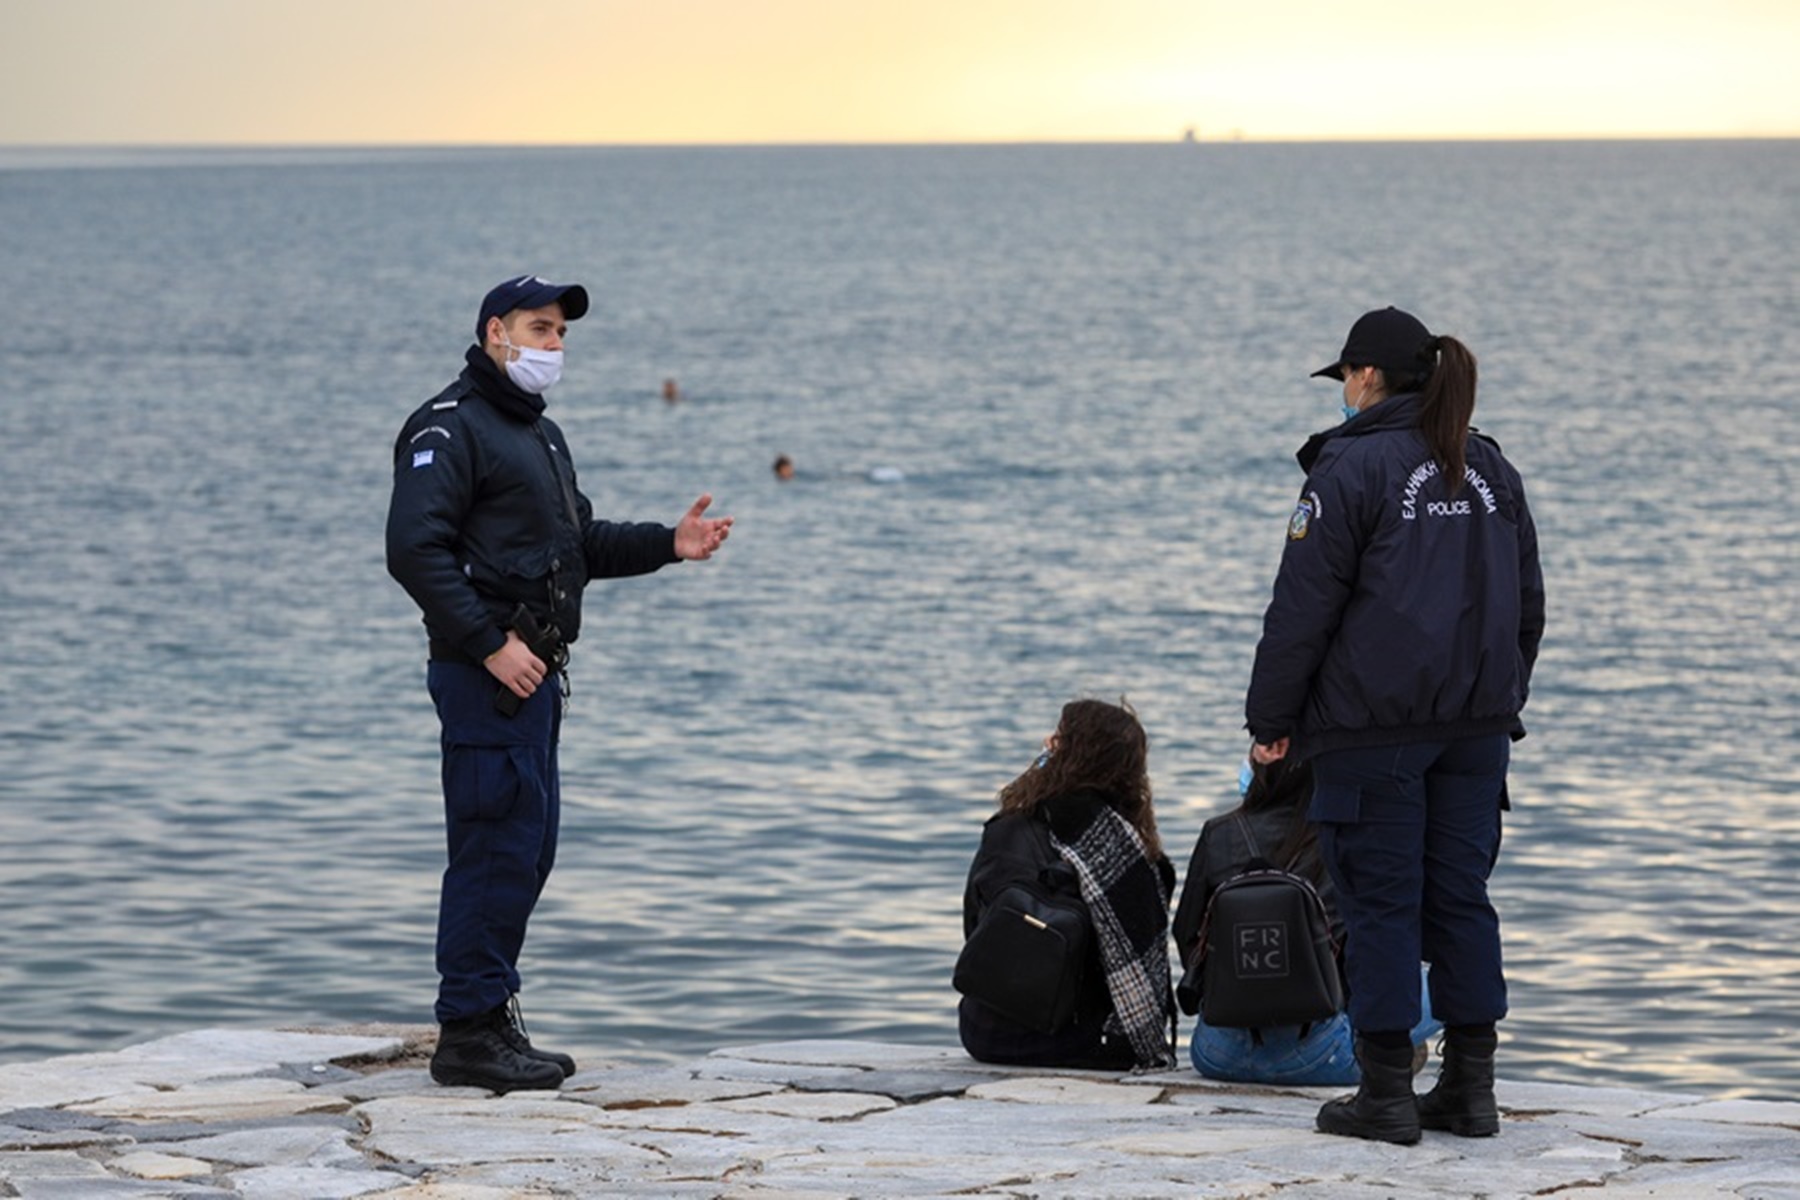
(502, 805)
(1410, 834)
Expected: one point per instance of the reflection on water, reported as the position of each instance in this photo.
(1666, 907)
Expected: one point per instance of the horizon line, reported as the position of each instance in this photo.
(1232, 139)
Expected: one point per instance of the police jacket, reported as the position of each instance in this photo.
(486, 515)
(1402, 611)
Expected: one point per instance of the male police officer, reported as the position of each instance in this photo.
(491, 537)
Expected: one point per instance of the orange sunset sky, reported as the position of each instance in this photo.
(352, 72)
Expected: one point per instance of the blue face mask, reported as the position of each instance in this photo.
(1245, 775)
(1350, 410)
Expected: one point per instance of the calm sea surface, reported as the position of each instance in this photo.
(1043, 401)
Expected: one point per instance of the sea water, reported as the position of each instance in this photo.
(1042, 401)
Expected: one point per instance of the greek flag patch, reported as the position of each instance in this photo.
(422, 458)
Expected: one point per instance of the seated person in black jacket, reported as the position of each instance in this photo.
(1275, 796)
(1077, 828)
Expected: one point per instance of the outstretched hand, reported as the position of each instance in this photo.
(698, 535)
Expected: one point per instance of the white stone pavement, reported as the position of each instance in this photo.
(309, 1115)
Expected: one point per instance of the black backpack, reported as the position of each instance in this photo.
(1029, 954)
(1266, 955)
(1027, 958)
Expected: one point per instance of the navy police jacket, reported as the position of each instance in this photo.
(1402, 611)
(486, 515)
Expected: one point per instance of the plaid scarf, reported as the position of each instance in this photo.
(1130, 909)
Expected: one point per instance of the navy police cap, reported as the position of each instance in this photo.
(1394, 341)
(531, 291)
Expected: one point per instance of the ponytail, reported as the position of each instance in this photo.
(1447, 406)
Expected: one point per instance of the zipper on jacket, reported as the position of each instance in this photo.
(562, 482)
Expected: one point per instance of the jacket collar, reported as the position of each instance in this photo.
(1396, 412)
(493, 385)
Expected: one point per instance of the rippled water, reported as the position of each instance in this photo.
(217, 759)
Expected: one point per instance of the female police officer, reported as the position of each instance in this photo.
(1396, 655)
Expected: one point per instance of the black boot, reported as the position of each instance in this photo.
(1463, 1100)
(511, 1024)
(473, 1052)
(1383, 1108)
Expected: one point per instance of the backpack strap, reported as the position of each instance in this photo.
(1243, 824)
(1249, 836)
(1206, 914)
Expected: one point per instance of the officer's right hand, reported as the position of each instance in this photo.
(515, 666)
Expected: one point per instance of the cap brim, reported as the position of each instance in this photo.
(1334, 371)
(574, 301)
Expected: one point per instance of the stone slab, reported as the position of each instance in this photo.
(217, 1100)
(148, 1164)
(279, 1145)
(811, 1106)
(1740, 1112)
(907, 1087)
(309, 1183)
(658, 1088)
(1064, 1089)
(817, 1119)
(174, 1061)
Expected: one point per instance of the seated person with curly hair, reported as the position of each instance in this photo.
(1075, 832)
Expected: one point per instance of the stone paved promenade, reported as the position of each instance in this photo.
(309, 1115)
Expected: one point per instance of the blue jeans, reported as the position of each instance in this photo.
(1410, 834)
(502, 806)
(1326, 1055)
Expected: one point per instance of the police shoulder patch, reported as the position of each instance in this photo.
(1310, 509)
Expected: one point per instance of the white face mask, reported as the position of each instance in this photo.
(534, 371)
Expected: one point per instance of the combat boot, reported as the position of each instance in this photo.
(511, 1023)
(473, 1052)
(1463, 1100)
(1383, 1108)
